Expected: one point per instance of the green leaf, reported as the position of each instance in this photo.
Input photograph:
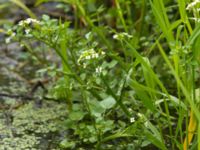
(195, 49)
(108, 103)
(45, 17)
(67, 144)
(112, 64)
(154, 140)
(194, 36)
(77, 115)
(96, 108)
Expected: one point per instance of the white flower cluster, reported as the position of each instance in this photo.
(98, 69)
(132, 119)
(22, 23)
(90, 54)
(120, 36)
(195, 19)
(28, 21)
(192, 4)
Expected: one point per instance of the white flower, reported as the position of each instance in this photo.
(127, 35)
(13, 34)
(27, 31)
(120, 36)
(98, 70)
(88, 57)
(28, 21)
(192, 5)
(195, 19)
(103, 53)
(91, 50)
(132, 119)
(115, 36)
(95, 55)
(21, 23)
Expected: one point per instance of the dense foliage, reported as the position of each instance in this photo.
(128, 70)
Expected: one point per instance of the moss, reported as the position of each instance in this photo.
(30, 125)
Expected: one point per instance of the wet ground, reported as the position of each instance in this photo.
(26, 121)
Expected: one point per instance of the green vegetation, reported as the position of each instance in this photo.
(127, 70)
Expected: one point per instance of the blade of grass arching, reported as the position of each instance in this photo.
(194, 35)
(160, 6)
(120, 13)
(144, 97)
(196, 51)
(144, 63)
(115, 136)
(127, 132)
(154, 140)
(26, 9)
(176, 58)
(194, 114)
(39, 2)
(193, 122)
(154, 135)
(5, 5)
(184, 90)
(156, 79)
(183, 14)
(172, 27)
(148, 79)
(142, 94)
(133, 83)
(179, 129)
(162, 19)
